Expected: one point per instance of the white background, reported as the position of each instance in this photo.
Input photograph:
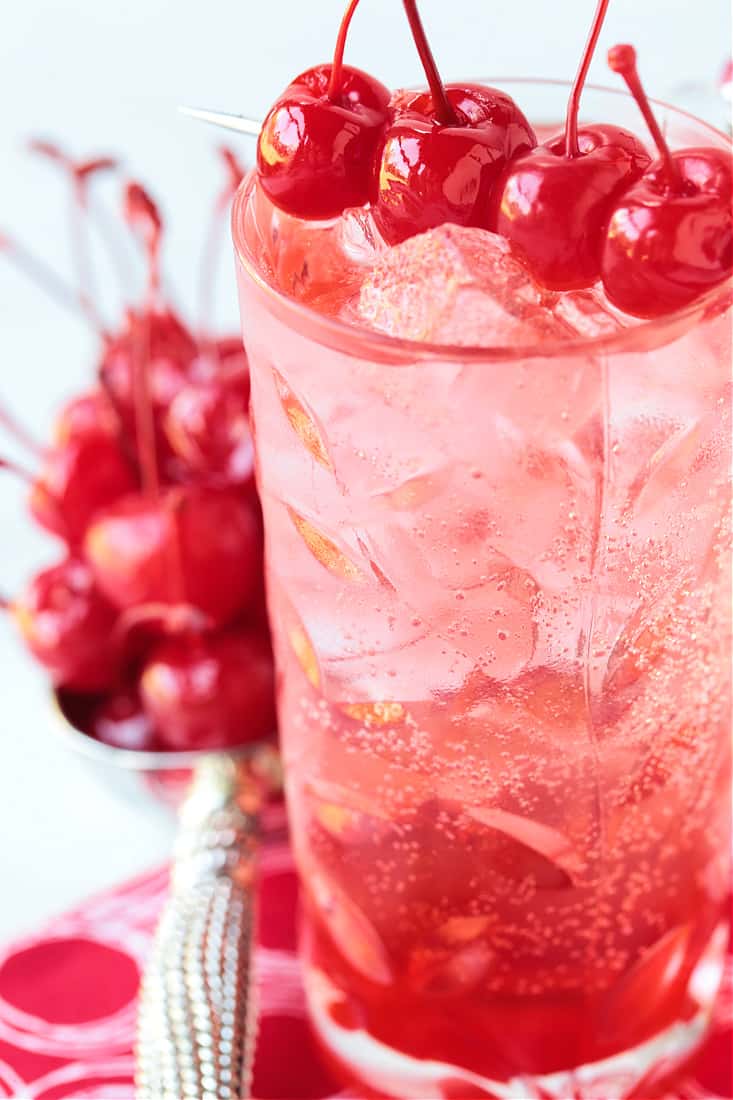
(106, 77)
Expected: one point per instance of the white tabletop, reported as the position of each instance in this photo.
(107, 78)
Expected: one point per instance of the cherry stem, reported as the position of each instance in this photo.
(337, 69)
(622, 60)
(79, 225)
(444, 112)
(82, 258)
(14, 428)
(178, 618)
(39, 272)
(572, 149)
(143, 216)
(113, 245)
(175, 554)
(144, 418)
(17, 469)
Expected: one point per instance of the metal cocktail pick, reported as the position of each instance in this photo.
(224, 119)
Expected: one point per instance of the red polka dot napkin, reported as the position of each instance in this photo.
(67, 999)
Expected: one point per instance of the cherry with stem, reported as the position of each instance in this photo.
(554, 203)
(195, 545)
(317, 145)
(88, 413)
(670, 238)
(207, 426)
(444, 150)
(75, 481)
(572, 146)
(68, 626)
(210, 692)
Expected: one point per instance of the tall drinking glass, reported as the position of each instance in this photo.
(500, 595)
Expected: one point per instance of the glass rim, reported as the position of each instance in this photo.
(382, 347)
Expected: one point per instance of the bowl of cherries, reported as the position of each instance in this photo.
(151, 624)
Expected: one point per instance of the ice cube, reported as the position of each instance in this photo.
(588, 313)
(425, 665)
(681, 494)
(436, 972)
(528, 507)
(320, 262)
(464, 286)
(456, 285)
(643, 992)
(539, 845)
(350, 929)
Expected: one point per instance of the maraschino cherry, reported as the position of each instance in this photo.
(120, 721)
(669, 239)
(77, 480)
(210, 692)
(316, 149)
(88, 414)
(207, 426)
(193, 544)
(67, 625)
(169, 350)
(185, 545)
(554, 203)
(165, 564)
(444, 151)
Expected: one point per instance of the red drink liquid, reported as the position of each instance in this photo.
(500, 592)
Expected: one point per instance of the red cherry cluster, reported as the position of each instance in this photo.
(152, 626)
(336, 138)
(585, 206)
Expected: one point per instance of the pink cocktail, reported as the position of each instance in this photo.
(499, 586)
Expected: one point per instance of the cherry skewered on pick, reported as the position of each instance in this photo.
(317, 145)
(554, 203)
(444, 150)
(669, 239)
(210, 692)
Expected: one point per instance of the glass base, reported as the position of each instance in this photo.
(380, 1070)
